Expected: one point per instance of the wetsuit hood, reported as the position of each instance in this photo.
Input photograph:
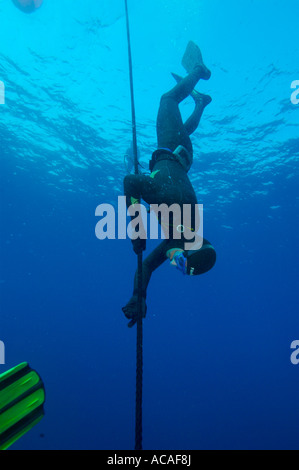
(200, 261)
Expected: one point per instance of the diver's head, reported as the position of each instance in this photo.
(193, 262)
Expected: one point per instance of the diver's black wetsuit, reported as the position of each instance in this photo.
(168, 182)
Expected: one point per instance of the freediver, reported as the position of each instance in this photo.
(168, 182)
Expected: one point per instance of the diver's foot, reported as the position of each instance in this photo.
(193, 58)
(205, 73)
(199, 98)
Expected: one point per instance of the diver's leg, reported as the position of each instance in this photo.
(137, 187)
(171, 131)
(201, 101)
(185, 87)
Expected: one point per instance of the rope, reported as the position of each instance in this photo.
(139, 343)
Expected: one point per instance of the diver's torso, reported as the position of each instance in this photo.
(173, 182)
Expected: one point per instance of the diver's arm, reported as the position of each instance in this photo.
(150, 264)
(132, 190)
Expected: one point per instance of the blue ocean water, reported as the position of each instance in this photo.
(217, 369)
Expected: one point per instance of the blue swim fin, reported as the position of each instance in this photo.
(192, 58)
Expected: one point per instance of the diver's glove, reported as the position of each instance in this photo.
(131, 310)
(181, 262)
(139, 245)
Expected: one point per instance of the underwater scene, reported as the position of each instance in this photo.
(113, 105)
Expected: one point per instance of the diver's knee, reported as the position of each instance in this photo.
(166, 96)
(129, 181)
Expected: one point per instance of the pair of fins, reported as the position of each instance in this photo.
(22, 398)
(191, 58)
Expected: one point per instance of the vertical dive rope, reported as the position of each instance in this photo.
(139, 351)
